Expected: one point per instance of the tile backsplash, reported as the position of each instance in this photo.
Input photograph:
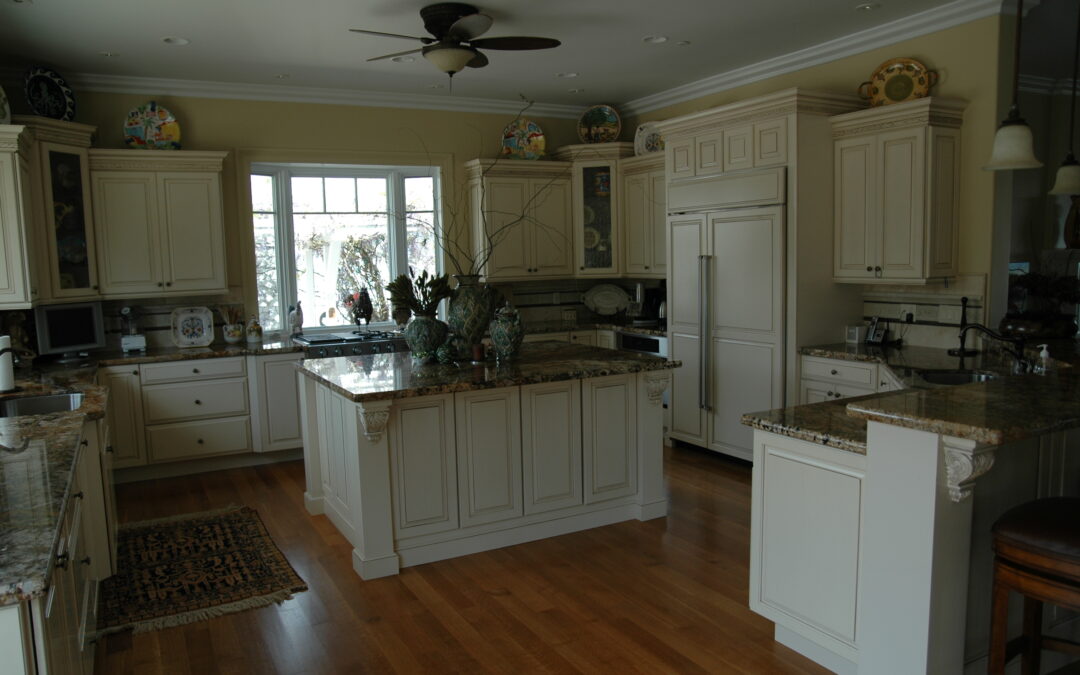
(934, 309)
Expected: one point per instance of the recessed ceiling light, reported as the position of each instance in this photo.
(575, 91)
(867, 7)
(175, 40)
(566, 75)
(654, 39)
(281, 76)
(682, 43)
(108, 54)
(436, 86)
(403, 59)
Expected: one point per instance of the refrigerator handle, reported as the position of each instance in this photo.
(703, 330)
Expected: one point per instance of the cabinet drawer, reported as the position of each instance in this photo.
(835, 370)
(199, 369)
(187, 440)
(213, 398)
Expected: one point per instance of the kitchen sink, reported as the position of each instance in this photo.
(956, 376)
(40, 405)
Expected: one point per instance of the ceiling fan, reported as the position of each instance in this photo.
(456, 44)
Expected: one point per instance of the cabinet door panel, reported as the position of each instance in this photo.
(739, 148)
(126, 211)
(855, 254)
(278, 403)
(901, 189)
(124, 415)
(770, 143)
(212, 398)
(744, 376)
(687, 418)
(609, 448)
(680, 158)
(191, 223)
(684, 280)
(15, 284)
(504, 202)
(596, 211)
(489, 455)
(709, 153)
(422, 466)
(70, 250)
(636, 214)
(657, 207)
(551, 445)
(746, 275)
(552, 215)
(188, 440)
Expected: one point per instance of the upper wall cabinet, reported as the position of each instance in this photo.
(17, 289)
(597, 243)
(523, 209)
(896, 186)
(64, 256)
(732, 147)
(643, 189)
(159, 221)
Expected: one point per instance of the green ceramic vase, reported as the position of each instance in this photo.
(424, 334)
(506, 333)
(471, 308)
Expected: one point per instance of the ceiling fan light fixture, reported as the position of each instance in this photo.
(449, 58)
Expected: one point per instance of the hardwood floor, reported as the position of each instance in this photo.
(668, 595)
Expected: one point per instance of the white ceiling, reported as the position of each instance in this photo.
(245, 43)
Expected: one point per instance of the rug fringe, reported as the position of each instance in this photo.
(277, 597)
(184, 516)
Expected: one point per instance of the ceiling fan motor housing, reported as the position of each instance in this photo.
(439, 17)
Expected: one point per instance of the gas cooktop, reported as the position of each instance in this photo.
(353, 343)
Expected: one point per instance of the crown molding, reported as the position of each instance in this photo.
(156, 160)
(1047, 86)
(150, 86)
(923, 23)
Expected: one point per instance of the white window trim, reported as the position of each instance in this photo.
(283, 224)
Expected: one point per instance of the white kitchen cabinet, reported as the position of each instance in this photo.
(583, 337)
(60, 207)
(735, 146)
(423, 464)
(644, 216)
(558, 336)
(826, 379)
(605, 339)
(551, 445)
(275, 404)
(526, 209)
(17, 286)
(124, 414)
(770, 143)
(609, 445)
(488, 425)
(160, 226)
(804, 494)
(896, 192)
(738, 149)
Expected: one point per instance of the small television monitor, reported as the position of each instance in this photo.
(69, 329)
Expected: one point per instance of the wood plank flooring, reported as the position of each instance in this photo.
(668, 595)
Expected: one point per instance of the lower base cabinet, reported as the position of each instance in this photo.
(551, 445)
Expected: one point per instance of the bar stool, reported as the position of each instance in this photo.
(1036, 554)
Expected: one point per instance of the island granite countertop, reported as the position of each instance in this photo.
(35, 482)
(389, 376)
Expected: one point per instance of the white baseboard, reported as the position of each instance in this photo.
(654, 510)
(815, 652)
(314, 505)
(173, 469)
(385, 566)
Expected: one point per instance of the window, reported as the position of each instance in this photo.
(323, 232)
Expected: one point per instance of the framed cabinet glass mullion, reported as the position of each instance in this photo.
(596, 232)
(67, 245)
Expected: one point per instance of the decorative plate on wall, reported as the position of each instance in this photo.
(192, 326)
(5, 109)
(898, 80)
(606, 299)
(151, 127)
(49, 95)
(523, 139)
(599, 124)
(648, 140)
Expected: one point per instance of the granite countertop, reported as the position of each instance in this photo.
(826, 423)
(35, 482)
(389, 376)
(214, 351)
(563, 327)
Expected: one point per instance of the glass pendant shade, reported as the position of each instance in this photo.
(449, 59)
(1014, 147)
(1068, 178)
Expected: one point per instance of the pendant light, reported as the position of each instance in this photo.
(1068, 175)
(1013, 143)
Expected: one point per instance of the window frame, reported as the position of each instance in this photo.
(282, 173)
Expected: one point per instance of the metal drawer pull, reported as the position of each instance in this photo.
(134, 372)
(62, 561)
(200, 441)
(86, 560)
(108, 448)
(195, 370)
(828, 393)
(77, 495)
(198, 402)
(84, 443)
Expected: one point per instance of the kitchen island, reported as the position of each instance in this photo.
(416, 463)
(870, 545)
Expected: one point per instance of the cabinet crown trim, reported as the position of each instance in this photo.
(583, 152)
(515, 168)
(933, 111)
(760, 108)
(156, 160)
(56, 131)
(12, 138)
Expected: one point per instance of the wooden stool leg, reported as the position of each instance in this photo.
(999, 625)
(1032, 637)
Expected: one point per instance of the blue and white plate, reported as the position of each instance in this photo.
(192, 326)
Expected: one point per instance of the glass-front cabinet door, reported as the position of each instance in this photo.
(595, 219)
(68, 245)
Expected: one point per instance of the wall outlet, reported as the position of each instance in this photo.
(926, 313)
(906, 313)
(569, 315)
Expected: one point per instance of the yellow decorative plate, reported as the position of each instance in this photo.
(898, 80)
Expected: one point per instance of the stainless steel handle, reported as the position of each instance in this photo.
(703, 331)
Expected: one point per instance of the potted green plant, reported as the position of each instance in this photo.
(422, 295)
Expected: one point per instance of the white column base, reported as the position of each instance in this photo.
(386, 566)
(815, 652)
(314, 505)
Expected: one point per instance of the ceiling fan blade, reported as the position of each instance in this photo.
(478, 61)
(425, 40)
(390, 56)
(468, 27)
(514, 43)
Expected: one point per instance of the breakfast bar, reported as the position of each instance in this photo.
(421, 462)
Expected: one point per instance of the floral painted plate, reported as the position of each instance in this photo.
(49, 95)
(151, 127)
(648, 140)
(599, 124)
(606, 299)
(192, 326)
(898, 80)
(523, 139)
(5, 109)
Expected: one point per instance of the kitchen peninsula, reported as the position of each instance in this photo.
(416, 463)
(870, 545)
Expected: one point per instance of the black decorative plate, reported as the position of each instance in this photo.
(49, 95)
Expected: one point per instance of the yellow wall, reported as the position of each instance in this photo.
(966, 57)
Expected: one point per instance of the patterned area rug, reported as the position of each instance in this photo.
(193, 567)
